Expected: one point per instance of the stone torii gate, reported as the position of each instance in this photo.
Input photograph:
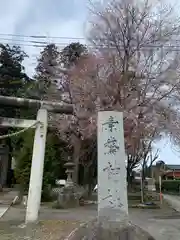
(41, 124)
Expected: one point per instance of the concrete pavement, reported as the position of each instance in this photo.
(173, 200)
(160, 229)
(6, 199)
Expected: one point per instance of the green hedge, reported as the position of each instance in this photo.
(169, 185)
(53, 164)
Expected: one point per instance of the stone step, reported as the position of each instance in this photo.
(6, 198)
(7, 202)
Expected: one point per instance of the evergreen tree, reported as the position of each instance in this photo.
(45, 71)
(12, 75)
(71, 53)
(13, 79)
(69, 57)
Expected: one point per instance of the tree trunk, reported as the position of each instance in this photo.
(129, 178)
(85, 177)
(143, 179)
(90, 181)
(20, 194)
(76, 154)
(85, 180)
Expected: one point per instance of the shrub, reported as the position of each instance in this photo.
(169, 185)
(53, 163)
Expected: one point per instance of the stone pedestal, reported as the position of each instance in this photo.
(109, 230)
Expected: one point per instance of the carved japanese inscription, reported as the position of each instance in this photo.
(112, 186)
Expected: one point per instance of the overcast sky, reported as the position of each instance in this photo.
(55, 18)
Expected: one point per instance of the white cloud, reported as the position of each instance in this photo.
(11, 13)
(69, 29)
(30, 17)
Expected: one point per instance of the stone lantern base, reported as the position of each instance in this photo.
(68, 197)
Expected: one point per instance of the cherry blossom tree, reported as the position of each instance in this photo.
(133, 68)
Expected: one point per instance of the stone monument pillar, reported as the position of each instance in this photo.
(112, 184)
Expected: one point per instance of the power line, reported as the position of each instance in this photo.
(52, 37)
(145, 48)
(65, 43)
(40, 36)
(42, 44)
(25, 45)
(33, 43)
(22, 41)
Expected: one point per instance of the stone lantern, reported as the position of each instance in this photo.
(68, 196)
(69, 171)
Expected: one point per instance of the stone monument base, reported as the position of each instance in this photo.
(109, 230)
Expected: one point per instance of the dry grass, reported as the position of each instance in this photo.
(45, 230)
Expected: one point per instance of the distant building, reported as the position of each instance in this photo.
(166, 171)
(171, 172)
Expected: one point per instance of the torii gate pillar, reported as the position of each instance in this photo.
(37, 167)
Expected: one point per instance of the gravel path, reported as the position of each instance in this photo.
(56, 224)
